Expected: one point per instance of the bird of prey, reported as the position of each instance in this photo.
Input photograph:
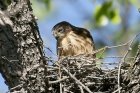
(72, 40)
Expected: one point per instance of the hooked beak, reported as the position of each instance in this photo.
(55, 34)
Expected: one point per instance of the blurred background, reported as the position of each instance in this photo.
(111, 23)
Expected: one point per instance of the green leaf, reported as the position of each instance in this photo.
(5, 3)
(105, 13)
(114, 16)
(97, 12)
(39, 8)
(100, 16)
(48, 4)
(101, 13)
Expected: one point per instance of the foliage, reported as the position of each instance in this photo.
(43, 9)
(106, 12)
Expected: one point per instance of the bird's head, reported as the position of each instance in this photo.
(61, 29)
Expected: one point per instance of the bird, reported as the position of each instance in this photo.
(72, 40)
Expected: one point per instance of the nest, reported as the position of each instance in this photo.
(72, 75)
(82, 75)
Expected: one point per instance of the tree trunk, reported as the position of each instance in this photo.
(22, 59)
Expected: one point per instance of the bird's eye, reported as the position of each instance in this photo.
(60, 30)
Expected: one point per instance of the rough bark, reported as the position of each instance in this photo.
(22, 59)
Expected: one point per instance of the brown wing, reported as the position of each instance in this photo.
(83, 41)
(76, 42)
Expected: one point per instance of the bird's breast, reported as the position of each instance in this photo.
(75, 45)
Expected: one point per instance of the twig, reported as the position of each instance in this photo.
(96, 51)
(116, 57)
(106, 47)
(50, 50)
(94, 83)
(85, 87)
(123, 60)
(15, 87)
(110, 63)
(117, 90)
(120, 45)
(60, 80)
(99, 77)
(51, 76)
(52, 67)
(60, 74)
(81, 88)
